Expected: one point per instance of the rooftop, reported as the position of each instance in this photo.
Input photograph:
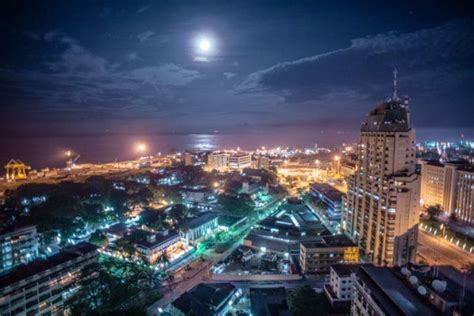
(40, 265)
(159, 239)
(344, 270)
(204, 299)
(117, 229)
(271, 244)
(392, 294)
(329, 241)
(15, 230)
(389, 116)
(203, 218)
(327, 190)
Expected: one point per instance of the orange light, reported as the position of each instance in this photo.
(141, 147)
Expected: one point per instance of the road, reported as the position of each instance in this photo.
(438, 251)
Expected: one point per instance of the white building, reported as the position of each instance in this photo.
(155, 245)
(199, 228)
(217, 161)
(240, 160)
(339, 288)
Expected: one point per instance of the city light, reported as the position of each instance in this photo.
(141, 148)
(265, 159)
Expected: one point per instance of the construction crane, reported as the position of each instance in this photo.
(71, 162)
(16, 170)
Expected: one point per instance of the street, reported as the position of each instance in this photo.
(438, 251)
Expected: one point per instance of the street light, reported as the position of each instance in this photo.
(141, 148)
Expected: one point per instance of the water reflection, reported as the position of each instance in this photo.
(203, 141)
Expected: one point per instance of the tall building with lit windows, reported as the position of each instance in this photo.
(381, 209)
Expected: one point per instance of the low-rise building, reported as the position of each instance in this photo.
(240, 160)
(331, 197)
(317, 255)
(217, 160)
(41, 287)
(204, 300)
(339, 286)
(262, 162)
(116, 231)
(199, 228)
(17, 246)
(198, 194)
(152, 246)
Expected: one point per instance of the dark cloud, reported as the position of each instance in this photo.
(144, 36)
(94, 66)
(77, 81)
(433, 63)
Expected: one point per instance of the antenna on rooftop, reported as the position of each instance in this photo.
(395, 96)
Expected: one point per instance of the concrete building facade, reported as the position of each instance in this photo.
(18, 246)
(240, 160)
(217, 161)
(199, 228)
(318, 255)
(465, 196)
(449, 185)
(381, 209)
(41, 287)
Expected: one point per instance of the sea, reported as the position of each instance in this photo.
(41, 152)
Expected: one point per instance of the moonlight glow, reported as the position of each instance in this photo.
(204, 45)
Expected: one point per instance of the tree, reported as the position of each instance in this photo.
(305, 301)
(178, 212)
(240, 204)
(98, 238)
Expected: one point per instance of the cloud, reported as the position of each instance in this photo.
(229, 75)
(133, 56)
(76, 82)
(143, 37)
(433, 64)
(201, 59)
(165, 75)
(143, 9)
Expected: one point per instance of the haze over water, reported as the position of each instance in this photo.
(40, 152)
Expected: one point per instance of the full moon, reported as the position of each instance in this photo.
(204, 45)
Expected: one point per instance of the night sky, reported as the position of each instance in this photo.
(95, 67)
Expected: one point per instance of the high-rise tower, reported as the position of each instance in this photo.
(381, 209)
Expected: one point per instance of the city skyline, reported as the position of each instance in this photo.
(237, 158)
